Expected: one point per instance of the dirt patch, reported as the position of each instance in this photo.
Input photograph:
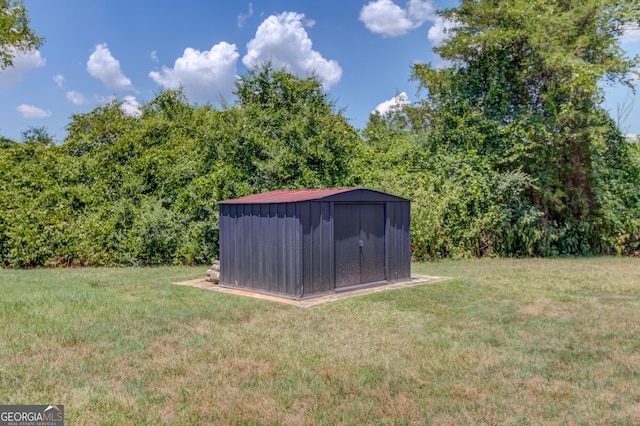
(306, 303)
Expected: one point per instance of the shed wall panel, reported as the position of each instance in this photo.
(398, 240)
(390, 243)
(265, 252)
(406, 240)
(317, 247)
(347, 251)
(260, 247)
(223, 244)
(291, 248)
(328, 277)
(280, 250)
(307, 252)
(372, 234)
(245, 235)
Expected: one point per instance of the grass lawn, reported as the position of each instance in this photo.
(504, 342)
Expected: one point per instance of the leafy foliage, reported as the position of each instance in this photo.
(143, 190)
(522, 92)
(15, 33)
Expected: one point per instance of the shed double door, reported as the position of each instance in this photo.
(359, 243)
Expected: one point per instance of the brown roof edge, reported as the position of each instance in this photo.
(289, 195)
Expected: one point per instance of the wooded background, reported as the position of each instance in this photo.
(509, 152)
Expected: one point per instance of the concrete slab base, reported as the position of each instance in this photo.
(306, 303)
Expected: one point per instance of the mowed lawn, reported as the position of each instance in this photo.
(532, 341)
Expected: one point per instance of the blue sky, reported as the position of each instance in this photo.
(131, 50)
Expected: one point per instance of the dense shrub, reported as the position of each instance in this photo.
(124, 190)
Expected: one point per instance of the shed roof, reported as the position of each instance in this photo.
(296, 195)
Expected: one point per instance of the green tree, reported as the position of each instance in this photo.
(37, 203)
(523, 88)
(147, 195)
(287, 133)
(15, 33)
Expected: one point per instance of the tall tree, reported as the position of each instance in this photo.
(288, 133)
(524, 85)
(15, 33)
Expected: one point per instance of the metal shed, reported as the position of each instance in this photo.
(307, 242)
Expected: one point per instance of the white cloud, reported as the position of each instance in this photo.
(283, 41)
(439, 31)
(397, 101)
(75, 98)
(420, 11)
(30, 111)
(207, 75)
(632, 137)
(22, 62)
(154, 56)
(59, 79)
(103, 66)
(387, 18)
(242, 18)
(130, 106)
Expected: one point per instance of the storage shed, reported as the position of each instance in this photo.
(307, 242)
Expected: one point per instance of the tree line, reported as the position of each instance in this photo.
(509, 152)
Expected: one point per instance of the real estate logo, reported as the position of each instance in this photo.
(31, 415)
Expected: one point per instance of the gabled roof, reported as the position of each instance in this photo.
(296, 195)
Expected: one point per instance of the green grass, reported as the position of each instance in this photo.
(504, 342)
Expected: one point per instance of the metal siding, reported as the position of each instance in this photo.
(360, 243)
(398, 240)
(259, 252)
(332, 246)
(388, 241)
(250, 239)
(223, 229)
(279, 252)
(290, 226)
(264, 246)
(286, 253)
(316, 247)
(307, 252)
(247, 238)
(298, 250)
(233, 244)
(273, 245)
(237, 248)
(347, 251)
(392, 236)
(406, 239)
(244, 228)
(245, 233)
(301, 248)
(253, 246)
(326, 248)
(372, 230)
